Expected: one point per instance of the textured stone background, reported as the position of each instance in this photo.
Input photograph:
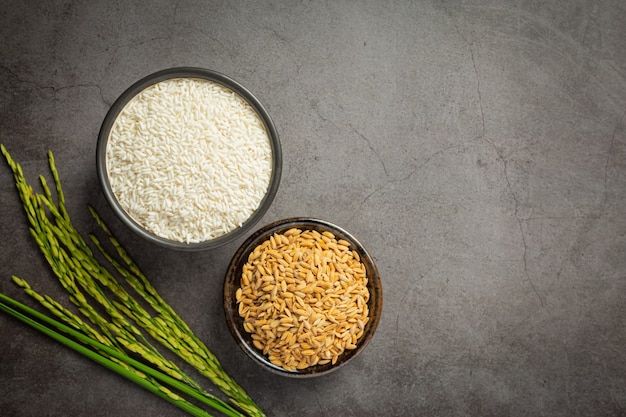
(476, 148)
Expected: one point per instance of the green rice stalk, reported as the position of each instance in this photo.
(61, 312)
(194, 351)
(60, 262)
(76, 267)
(116, 337)
(75, 271)
(72, 270)
(135, 371)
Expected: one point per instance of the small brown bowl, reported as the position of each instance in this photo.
(232, 283)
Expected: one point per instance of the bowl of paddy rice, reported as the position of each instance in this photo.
(302, 297)
(188, 158)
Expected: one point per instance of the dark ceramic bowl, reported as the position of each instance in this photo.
(187, 72)
(232, 283)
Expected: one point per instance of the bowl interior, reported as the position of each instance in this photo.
(232, 283)
(187, 72)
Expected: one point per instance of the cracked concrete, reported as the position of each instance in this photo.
(477, 149)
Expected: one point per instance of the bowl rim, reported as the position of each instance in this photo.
(187, 72)
(231, 283)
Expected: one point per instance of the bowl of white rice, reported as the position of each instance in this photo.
(188, 158)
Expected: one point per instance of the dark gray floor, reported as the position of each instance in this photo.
(477, 149)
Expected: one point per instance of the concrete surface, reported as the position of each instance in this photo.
(476, 148)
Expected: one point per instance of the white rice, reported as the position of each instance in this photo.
(189, 159)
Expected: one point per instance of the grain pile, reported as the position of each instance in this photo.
(303, 298)
(189, 159)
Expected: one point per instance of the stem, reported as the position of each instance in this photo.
(191, 349)
(157, 389)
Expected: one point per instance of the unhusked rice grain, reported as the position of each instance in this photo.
(189, 159)
(303, 298)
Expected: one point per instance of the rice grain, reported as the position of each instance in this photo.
(189, 159)
(300, 312)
